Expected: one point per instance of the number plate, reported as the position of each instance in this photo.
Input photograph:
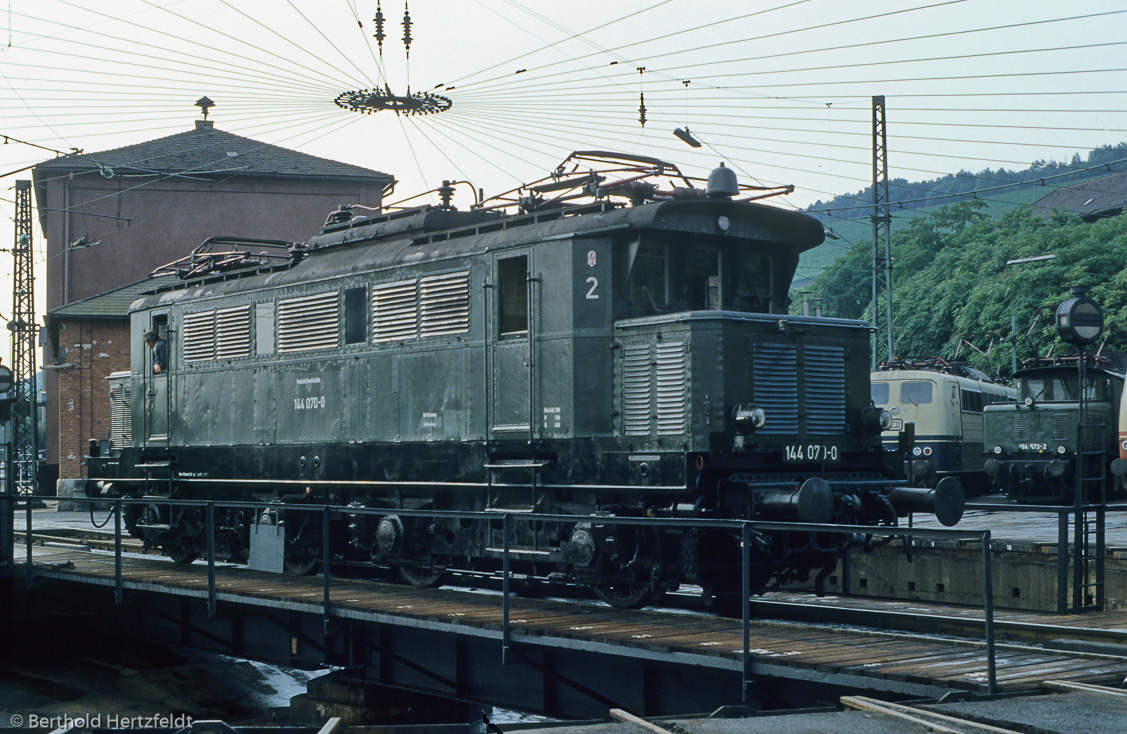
(810, 452)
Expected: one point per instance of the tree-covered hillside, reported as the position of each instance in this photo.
(949, 189)
(954, 294)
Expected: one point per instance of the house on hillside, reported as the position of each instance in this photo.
(112, 217)
(1093, 199)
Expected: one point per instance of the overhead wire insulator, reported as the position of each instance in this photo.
(379, 34)
(407, 29)
(641, 98)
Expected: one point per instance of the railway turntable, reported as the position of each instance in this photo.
(563, 657)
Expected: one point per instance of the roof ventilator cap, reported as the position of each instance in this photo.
(722, 183)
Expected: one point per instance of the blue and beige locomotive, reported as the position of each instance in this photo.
(558, 353)
(944, 403)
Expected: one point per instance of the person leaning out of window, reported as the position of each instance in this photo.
(159, 349)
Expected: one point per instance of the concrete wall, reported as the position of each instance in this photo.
(1024, 575)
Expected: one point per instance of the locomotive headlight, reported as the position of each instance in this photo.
(876, 419)
(748, 417)
(1062, 449)
(997, 449)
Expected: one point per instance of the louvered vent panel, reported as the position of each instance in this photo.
(1023, 427)
(310, 322)
(395, 311)
(444, 304)
(637, 390)
(199, 336)
(232, 332)
(671, 388)
(121, 424)
(1064, 427)
(825, 390)
(774, 370)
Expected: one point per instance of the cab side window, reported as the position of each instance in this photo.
(512, 300)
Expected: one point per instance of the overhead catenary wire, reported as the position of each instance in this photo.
(727, 97)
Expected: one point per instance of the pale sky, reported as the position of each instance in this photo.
(779, 89)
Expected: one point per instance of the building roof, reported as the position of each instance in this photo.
(111, 304)
(206, 151)
(1091, 199)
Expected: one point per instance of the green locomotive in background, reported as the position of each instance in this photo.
(588, 359)
(1033, 447)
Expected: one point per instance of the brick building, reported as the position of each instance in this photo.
(91, 341)
(112, 217)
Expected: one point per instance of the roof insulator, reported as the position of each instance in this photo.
(407, 30)
(379, 34)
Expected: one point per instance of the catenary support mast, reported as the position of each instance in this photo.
(25, 416)
(881, 309)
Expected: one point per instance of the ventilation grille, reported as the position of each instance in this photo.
(310, 322)
(671, 388)
(774, 370)
(636, 390)
(655, 389)
(232, 332)
(1064, 428)
(444, 304)
(825, 390)
(199, 336)
(121, 424)
(395, 311)
(1023, 427)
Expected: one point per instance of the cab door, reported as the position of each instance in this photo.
(158, 388)
(512, 346)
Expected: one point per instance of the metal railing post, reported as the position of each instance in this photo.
(988, 612)
(210, 559)
(117, 581)
(8, 523)
(745, 609)
(326, 575)
(506, 638)
(27, 535)
(1062, 561)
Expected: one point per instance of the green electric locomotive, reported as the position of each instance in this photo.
(557, 352)
(1033, 447)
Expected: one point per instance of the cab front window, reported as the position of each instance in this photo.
(661, 276)
(879, 393)
(916, 392)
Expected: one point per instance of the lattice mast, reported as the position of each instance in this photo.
(25, 417)
(881, 310)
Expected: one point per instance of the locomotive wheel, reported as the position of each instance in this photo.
(180, 552)
(420, 577)
(626, 596)
(300, 566)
